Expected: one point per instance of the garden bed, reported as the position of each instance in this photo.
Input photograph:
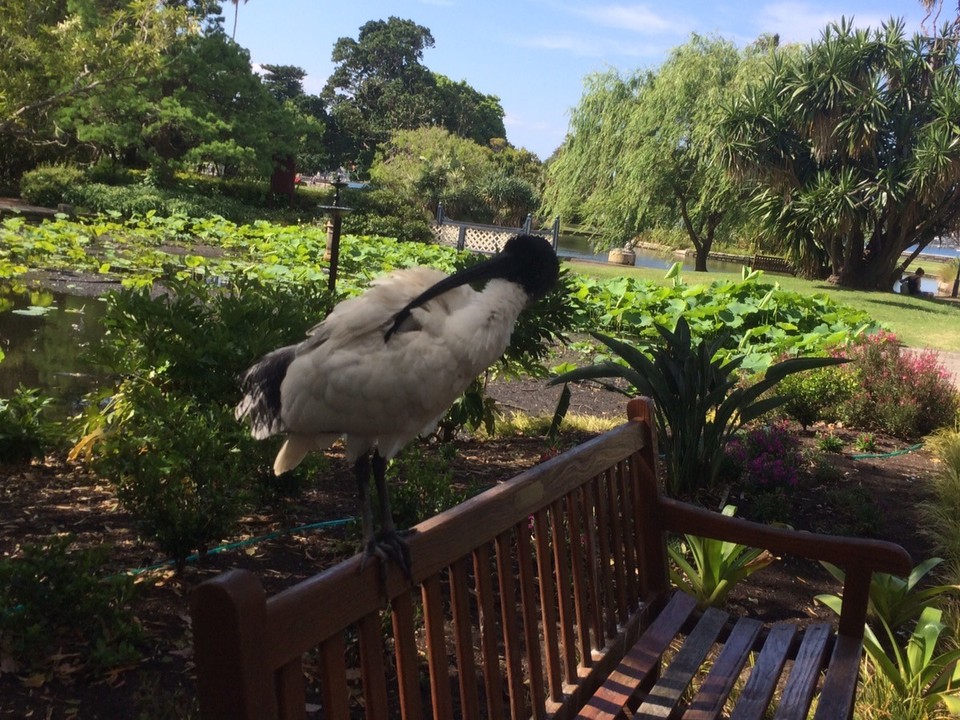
(875, 497)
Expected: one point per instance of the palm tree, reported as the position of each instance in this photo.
(236, 12)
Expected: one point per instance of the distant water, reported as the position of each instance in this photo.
(576, 246)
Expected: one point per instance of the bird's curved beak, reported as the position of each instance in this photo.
(496, 266)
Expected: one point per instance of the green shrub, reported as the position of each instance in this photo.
(381, 212)
(700, 404)
(816, 395)
(907, 395)
(49, 185)
(422, 484)
(167, 438)
(52, 600)
(829, 443)
(907, 656)
(25, 432)
(178, 466)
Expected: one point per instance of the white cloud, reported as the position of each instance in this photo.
(634, 18)
(802, 22)
(585, 46)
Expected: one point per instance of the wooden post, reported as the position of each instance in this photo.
(229, 619)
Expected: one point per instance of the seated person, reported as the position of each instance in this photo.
(910, 285)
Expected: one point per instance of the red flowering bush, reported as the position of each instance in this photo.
(768, 455)
(905, 394)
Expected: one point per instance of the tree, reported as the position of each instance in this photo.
(852, 149)
(379, 85)
(284, 82)
(643, 152)
(55, 54)
(467, 112)
(431, 165)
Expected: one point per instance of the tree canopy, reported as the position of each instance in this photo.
(381, 85)
(643, 153)
(851, 150)
(430, 165)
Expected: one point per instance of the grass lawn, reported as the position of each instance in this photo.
(918, 322)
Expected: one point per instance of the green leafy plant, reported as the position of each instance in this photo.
(56, 600)
(708, 569)
(817, 394)
(25, 431)
(177, 465)
(865, 443)
(830, 443)
(700, 404)
(912, 667)
(423, 484)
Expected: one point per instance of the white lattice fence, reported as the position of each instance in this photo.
(483, 239)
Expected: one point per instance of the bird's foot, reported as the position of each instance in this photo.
(389, 546)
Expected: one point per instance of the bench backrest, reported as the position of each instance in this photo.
(524, 599)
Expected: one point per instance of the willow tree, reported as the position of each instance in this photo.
(642, 150)
(852, 149)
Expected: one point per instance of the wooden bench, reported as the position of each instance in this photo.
(546, 597)
(772, 263)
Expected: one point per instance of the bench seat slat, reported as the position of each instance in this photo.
(623, 684)
(839, 685)
(756, 694)
(802, 681)
(713, 693)
(663, 698)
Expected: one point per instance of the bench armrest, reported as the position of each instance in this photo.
(859, 557)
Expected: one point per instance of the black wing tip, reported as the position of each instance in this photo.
(261, 402)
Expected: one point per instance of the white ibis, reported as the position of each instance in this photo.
(385, 366)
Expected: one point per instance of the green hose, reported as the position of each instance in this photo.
(248, 541)
(881, 456)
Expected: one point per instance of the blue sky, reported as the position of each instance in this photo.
(534, 54)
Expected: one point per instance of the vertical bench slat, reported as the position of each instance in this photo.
(666, 693)
(561, 561)
(592, 576)
(617, 553)
(713, 693)
(372, 671)
(405, 652)
(291, 691)
(627, 501)
(758, 690)
(604, 558)
(334, 691)
(548, 604)
(492, 680)
(435, 626)
(531, 634)
(802, 681)
(580, 569)
(508, 620)
(463, 635)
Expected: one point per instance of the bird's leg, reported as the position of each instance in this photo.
(390, 542)
(361, 470)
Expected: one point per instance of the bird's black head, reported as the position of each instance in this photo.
(531, 263)
(527, 260)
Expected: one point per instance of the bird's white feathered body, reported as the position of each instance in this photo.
(346, 379)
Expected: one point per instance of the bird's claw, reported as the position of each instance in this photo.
(389, 546)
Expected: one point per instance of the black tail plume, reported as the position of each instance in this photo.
(260, 385)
